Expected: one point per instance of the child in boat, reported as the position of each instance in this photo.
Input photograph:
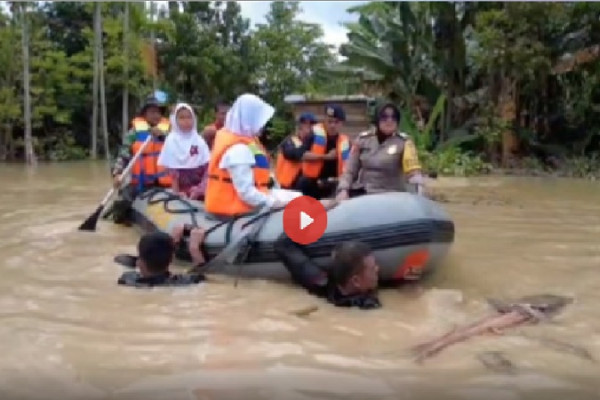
(155, 254)
(185, 154)
(351, 281)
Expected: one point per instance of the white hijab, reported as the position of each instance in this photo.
(248, 115)
(177, 151)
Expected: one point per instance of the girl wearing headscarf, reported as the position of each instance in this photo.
(382, 159)
(239, 169)
(185, 154)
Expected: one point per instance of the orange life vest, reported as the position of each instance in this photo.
(287, 171)
(221, 197)
(312, 169)
(146, 172)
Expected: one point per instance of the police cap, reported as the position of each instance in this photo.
(335, 111)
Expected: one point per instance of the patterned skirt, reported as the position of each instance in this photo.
(192, 181)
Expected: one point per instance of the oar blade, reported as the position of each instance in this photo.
(230, 253)
(90, 223)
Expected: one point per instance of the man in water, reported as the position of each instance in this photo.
(155, 254)
(351, 281)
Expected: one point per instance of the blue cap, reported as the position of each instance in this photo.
(307, 117)
(335, 111)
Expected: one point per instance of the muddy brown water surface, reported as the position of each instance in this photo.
(69, 332)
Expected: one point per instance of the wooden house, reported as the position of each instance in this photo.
(357, 109)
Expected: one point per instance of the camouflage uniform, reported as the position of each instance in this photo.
(124, 155)
(380, 167)
(134, 279)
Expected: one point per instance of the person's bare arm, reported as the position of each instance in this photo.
(308, 156)
(331, 155)
(177, 234)
(195, 242)
(208, 133)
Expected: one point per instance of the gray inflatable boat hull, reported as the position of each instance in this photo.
(403, 229)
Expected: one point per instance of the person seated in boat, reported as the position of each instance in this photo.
(210, 131)
(145, 172)
(185, 154)
(381, 159)
(351, 280)
(293, 150)
(239, 167)
(155, 255)
(319, 177)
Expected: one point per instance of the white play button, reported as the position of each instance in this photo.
(305, 220)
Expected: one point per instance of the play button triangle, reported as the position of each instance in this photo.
(305, 220)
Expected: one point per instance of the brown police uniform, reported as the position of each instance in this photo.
(380, 167)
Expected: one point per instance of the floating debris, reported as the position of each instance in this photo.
(529, 309)
(497, 362)
(304, 312)
(563, 347)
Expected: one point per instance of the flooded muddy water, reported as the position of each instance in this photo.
(70, 332)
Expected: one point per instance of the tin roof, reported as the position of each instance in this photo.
(300, 98)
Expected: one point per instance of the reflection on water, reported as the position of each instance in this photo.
(70, 332)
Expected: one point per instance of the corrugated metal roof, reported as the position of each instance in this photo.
(300, 98)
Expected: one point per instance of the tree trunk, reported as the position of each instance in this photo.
(173, 7)
(97, 43)
(4, 139)
(508, 113)
(29, 152)
(153, 44)
(125, 115)
(104, 119)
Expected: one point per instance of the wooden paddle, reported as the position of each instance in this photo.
(90, 223)
(243, 244)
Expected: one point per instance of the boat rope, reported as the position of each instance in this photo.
(191, 210)
(151, 197)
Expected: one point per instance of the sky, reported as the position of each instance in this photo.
(328, 14)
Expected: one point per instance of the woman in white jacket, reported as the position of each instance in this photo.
(239, 169)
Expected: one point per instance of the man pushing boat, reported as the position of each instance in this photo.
(155, 255)
(351, 280)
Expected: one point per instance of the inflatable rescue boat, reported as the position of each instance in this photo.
(409, 234)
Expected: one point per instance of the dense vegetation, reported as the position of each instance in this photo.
(515, 85)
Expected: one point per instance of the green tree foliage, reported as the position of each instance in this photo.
(290, 53)
(508, 73)
(206, 52)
